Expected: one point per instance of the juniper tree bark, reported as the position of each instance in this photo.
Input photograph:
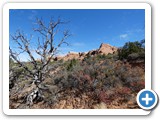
(45, 49)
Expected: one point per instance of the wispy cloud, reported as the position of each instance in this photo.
(123, 36)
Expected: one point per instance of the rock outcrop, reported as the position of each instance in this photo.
(103, 49)
(106, 49)
(71, 55)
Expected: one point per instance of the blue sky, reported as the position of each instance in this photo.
(89, 28)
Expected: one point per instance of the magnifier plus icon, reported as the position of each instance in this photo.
(147, 99)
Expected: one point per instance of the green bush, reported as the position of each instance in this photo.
(99, 56)
(134, 48)
(72, 64)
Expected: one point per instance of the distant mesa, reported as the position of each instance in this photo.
(103, 49)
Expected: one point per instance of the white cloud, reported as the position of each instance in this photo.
(123, 36)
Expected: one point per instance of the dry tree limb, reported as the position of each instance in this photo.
(45, 50)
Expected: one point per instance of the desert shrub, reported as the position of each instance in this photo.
(61, 61)
(133, 56)
(19, 70)
(136, 56)
(101, 56)
(14, 72)
(113, 56)
(88, 60)
(17, 75)
(142, 55)
(103, 97)
(11, 63)
(72, 63)
(130, 48)
(101, 78)
(90, 71)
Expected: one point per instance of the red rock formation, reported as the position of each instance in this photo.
(71, 55)
(103, 49)
(106, 49)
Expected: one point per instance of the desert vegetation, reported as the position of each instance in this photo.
(96, 81)
(100, 81)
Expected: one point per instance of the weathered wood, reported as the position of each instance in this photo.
(45, 48)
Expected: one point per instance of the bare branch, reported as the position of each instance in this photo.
(46, 48)
(19, 62)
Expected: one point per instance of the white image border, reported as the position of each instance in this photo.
(8, 6)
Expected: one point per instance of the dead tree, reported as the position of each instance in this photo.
(45, 49)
